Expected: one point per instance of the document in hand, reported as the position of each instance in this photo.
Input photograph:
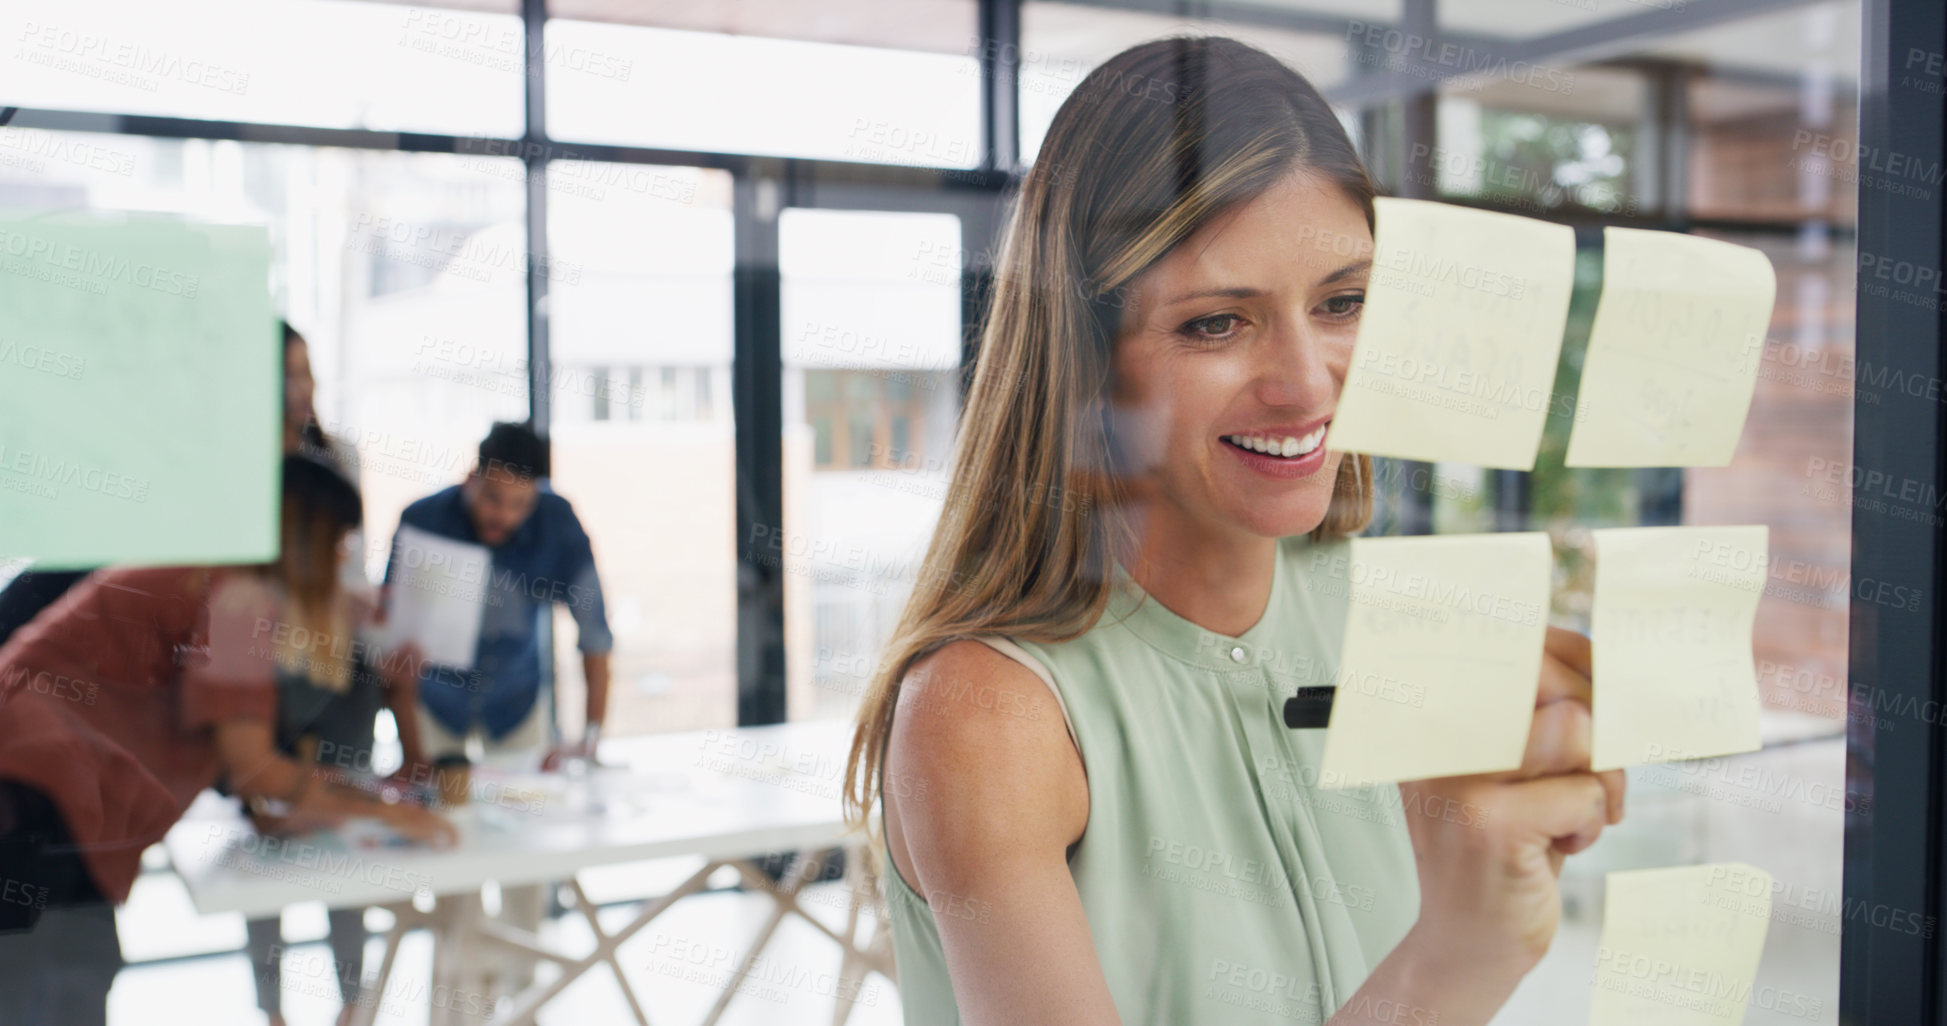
(1680, 946)
(437, 593)
(1442, 656)
(1674, 352)
(1459, 337)
(1670, 639)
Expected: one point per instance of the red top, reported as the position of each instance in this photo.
(108, 699)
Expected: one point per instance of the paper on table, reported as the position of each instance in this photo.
(437, 594)
(1670, 632)
(1442, 657)
(142, 421)
(1674, 352)
(1459, 337)
(1680, 946)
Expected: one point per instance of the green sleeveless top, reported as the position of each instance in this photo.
(1220, 883)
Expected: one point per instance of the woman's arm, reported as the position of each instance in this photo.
(256, 770)
(983, 798)
(984, 793)
(1489, 849)
(399, 673)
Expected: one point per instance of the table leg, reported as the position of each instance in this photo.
(605, 948)
(529, 1001)
(785, 894)
(876, 956)
(404, 918)
(453, 919)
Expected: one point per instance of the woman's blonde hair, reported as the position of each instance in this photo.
(319, 506)
(1151, 146)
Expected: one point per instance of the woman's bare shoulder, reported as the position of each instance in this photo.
(980, 759)
(966, 703)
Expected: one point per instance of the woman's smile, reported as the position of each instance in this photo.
(1284, 452)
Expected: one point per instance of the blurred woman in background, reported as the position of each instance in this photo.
(125, 699)
(329, 696)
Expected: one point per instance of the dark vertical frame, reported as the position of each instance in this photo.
(534, 164)
(1893, 846)
(757, 401)
(998, 23)
(534, 161)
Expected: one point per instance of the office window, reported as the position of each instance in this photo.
(871, 350)
(1515, 144)
(330, 63)
(641, 337)
(405, 272)
(749, 94)
(931, 26)
(1062, 42)
(881, 420)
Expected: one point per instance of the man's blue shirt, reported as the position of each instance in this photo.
(547, 559)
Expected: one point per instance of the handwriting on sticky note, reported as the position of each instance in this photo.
(1459, 336)
(1674, 353)
(1671, 642)
(1441, 659)
(144, 428)
(1680, 946)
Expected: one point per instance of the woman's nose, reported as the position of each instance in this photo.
(1299, 368)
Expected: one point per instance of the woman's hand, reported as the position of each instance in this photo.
(421, 825)
(1490, 848)
(297, 822)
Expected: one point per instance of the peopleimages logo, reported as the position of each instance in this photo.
(69, 257)
(1412, 53)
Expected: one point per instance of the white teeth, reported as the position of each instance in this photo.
(1286, 447)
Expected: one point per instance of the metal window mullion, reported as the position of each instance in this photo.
(1891, 976)
(757, 388)
(999, 28)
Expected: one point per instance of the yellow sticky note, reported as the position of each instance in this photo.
(1680, 946)
(1674, 352)
(1442, 656)
(1670, 633)
(1459, 337)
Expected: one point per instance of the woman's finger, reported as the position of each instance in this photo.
(1615, 782)
(1558, 741)
(1561, 679)
(1569, 647)
(1564, 806)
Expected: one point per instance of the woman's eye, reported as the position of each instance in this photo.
(1346, 305)
(1216, 326)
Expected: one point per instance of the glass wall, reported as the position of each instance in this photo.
(641, 424)
(871, 390)
(407, 272)
(1731, 126)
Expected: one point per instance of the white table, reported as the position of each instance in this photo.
(725, 795)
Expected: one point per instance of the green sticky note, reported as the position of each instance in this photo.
(141, 392)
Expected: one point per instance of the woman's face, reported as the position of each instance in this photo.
(1231, 354)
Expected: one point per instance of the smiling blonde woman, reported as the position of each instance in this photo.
(1093, 812)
